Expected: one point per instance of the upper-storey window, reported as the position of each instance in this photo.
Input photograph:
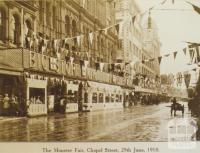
(48, 11)
(2, 24)
(41, 11)
(67, 25)
(15, 29)
(54, 17)
(74, 30)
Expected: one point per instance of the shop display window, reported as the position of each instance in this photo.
(101, 97)
(72, 96)
(94, 98)
(112, 98)
(85, 97)
(120, 98)
(37, 95)
(117, 98)
(107, 98)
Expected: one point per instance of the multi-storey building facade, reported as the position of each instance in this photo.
(139, 43)
(43, 64)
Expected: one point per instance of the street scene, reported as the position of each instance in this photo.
(137, 123)
(99, 70)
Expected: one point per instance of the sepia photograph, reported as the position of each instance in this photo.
(100, 71)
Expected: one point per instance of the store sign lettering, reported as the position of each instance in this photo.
(33, 60)
(44, 62)
(53, 64)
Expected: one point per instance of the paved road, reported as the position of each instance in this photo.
(139, 123)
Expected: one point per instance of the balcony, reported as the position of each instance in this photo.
(24, 60)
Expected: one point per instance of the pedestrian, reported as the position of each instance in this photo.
(62, 105)
(6, 105)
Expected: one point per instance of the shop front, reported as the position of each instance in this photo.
(71, 97)
(36, 97)
(11, 95)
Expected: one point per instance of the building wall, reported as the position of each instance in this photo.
(132, 39)
(56, 19)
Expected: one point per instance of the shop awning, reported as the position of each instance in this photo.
(8, 72)
(145, 90)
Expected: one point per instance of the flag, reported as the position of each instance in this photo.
(91, 36)
(133, 19)
(187, 78)
(66, 39)
(159, 59)
(83, 3)
(117, 28)
(71, 60)
(185, 50)
(191, 51)
(196, 8)
(78, 38)
(166, 55)
(86, 63)
(152, 59)
(163, 2)
(175, 53)
(173, 1)
(101, 65)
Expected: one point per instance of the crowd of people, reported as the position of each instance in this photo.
(10, 106)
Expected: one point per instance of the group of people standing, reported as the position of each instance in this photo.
(150, 99)
(9, 106)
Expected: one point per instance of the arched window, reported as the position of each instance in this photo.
(15, 29)
(74, 30)
(2, 24)
(67, 25)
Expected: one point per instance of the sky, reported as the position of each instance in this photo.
(174, 27)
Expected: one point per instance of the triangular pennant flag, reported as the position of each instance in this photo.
(106, 31)
(163, 2)
(86, 63)
(133, 19)
(185, 51)
(66, 39)
(191, 51)
(175, 53)
(152, 59)
(166, 55)
(143, 61)
(194, 69)
(71, 60)
(83, 3)
(159, 59)
(173, 1)
(187, 78)
(117, 28)
(91, 36)
(196, 8)
(78, 38)
(101, 65)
